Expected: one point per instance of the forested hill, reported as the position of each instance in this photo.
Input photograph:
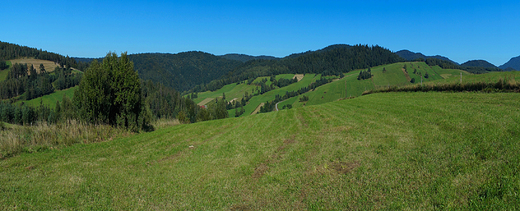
(332, 60)
(411, 56)
(182, 71)
(245, 58)
(10, 51)
(513, 63)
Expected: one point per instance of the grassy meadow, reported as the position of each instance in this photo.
(4, 73)
(50, 99)
(386, 151)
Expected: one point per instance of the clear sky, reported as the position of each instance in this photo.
(460, 30)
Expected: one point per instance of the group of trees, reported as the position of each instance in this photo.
(365, 74)
(3, 65)
(110, 93)
(23, 79)
(26, 115)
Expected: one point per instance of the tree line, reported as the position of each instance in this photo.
(10, 51)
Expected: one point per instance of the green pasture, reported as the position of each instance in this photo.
(391, 151)
(50, 100)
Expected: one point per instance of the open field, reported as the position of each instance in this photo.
(4, 73)
(424, 151)
(50, 100)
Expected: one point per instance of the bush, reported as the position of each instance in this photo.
(110, 92)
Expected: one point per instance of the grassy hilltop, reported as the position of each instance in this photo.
(379, 151)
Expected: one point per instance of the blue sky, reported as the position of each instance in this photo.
(460, 30)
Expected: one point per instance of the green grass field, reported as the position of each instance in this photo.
(50, 100)
(349, 86)
(4, 73)
(417, 151)
(269, 96)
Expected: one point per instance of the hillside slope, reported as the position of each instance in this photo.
(419, 151)
(181, 71)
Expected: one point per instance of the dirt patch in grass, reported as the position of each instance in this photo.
(231, 101)
(302, 120)
(274, 158)
(258, 108)
(298, 76)
(445, 75)
(344, 167)
(240, 207)
(406, 74)
(260, 170)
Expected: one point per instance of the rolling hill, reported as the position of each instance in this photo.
(347, 86)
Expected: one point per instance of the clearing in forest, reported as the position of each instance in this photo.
(298, 76)
(49, 65)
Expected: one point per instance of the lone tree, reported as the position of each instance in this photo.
(110, 92)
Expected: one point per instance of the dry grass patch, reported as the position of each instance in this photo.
(298, 76)
(49, 65)
(205, 101)
(43, 136)
(258, 108)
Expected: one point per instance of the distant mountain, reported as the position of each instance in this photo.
(410, 56)
(245, 58)
(478, 63)
(513, 63)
